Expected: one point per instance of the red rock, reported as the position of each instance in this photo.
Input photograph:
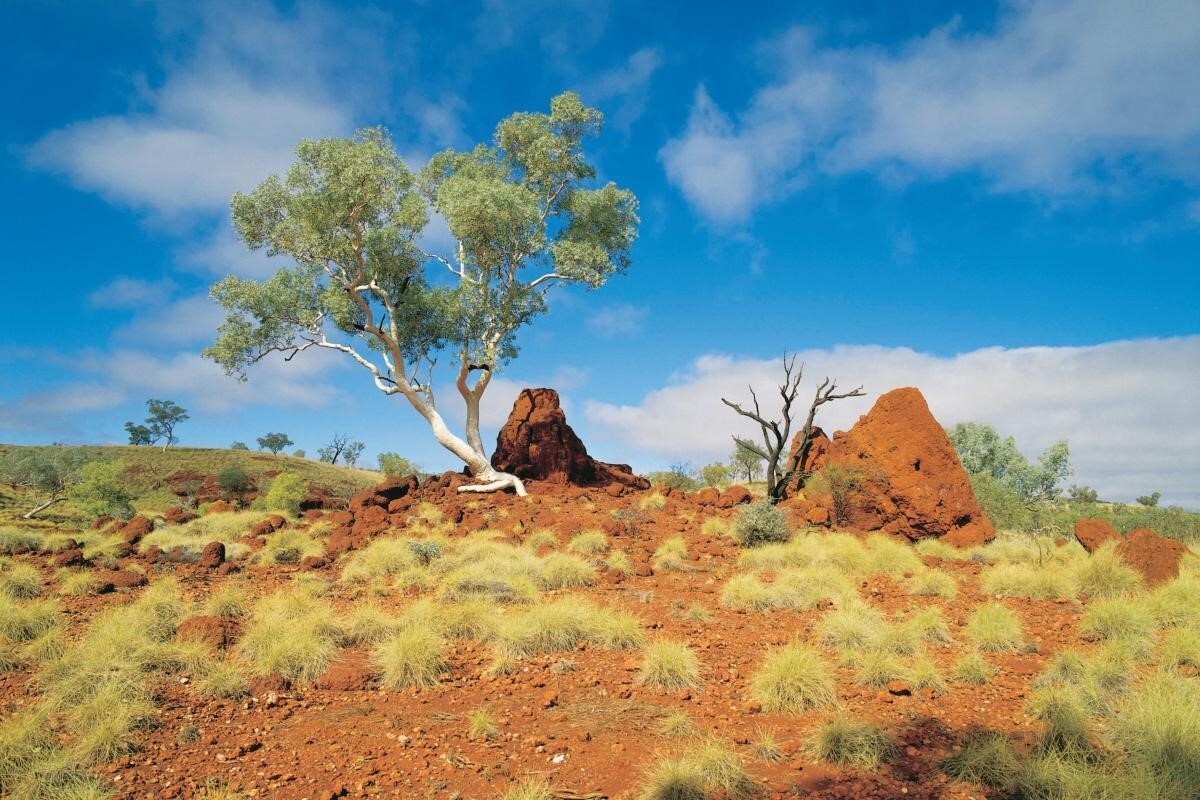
(267, 525)
(817, 515)
(137, 527)
(909, 480)
(220, 507)
(69, 558)
(350, 673)
(178, 516)
(310, 563)
(734, 496)
(122, 578)
(1092, 533)
(818, 449)
(215, 631)
(536, 442)
(1155, 557)
(614, 490)
(899, 688)
(708, 496)
(212, 556)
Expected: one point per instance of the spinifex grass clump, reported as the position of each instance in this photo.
(1104, 574)
(411, 657)
(995, 629)
(382, 558)
(793, 678)
(856, 743)
(672, 554)
(562, 625)
(709, 770)
(669, 665)
(291, 635)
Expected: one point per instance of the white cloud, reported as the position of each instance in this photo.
(185, 321)
(621, 319)
(1127, 408)
(128, 292)
(219, 122)
(1060, 97)
(625, 88)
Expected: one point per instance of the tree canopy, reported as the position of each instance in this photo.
(983, 451)
(350, 214)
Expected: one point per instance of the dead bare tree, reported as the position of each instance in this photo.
(776, 434)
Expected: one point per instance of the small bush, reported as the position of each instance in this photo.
(1181, 648)
(671, 555)
(859, 744)
(288, 546)
(412, 657)
(292, 635)
(223, 680)
(986, 758)
(761, 523)
(286, 493)
(227, 602)
(710, 770)
(1104, 574)
(530, 789)
(20, 581)
(995, 629)
(669, 665)
(588, 543)
(1116, 618)
(563, 571)
(379, 559)
(234, 480)
(793, 678)
(481, 725)
(973, 669)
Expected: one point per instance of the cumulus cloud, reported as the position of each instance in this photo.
(621, 319)
(186, 321)
(625, 88)
(221, 120)
(1127, 408)
(126, 292)
(1058, 98)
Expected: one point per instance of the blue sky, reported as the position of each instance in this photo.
(998, 203)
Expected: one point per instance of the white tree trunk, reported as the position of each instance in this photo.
(31, 513)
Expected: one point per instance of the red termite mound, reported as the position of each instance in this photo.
(537, 443)
(898, 473)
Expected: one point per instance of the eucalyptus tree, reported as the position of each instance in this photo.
(524, 213)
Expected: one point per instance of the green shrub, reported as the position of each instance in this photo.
(859, 744)
(761, 523)
(286, 493)
(101, 490)
(234, 480)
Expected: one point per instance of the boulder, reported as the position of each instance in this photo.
(1155, 557)
(137, 527)
(212, 556)
(1092, 533)
(178, 516)
(72, 557)
(734, 496)
(818, 449)
(214, 631)
(537, 443)
(900, 475)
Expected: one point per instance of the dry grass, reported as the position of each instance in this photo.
(1027, 580)
(995, 629)
(669, 665)
(412, 657)
(482, 726)
(382, 558)
(589, 543)
(20, 581)
(291, 635)
(530, 789)
(672, 554)
(288, 546)
(854, 743)
(1104, 574)
(793, 678)
(562, 625)
(1116, 618)
(709, 770)
(973, 669)
(933, 583)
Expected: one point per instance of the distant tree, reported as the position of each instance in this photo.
(331, 452)
(983, 451)
(523, 212)
(1150, 500)
(163, 417)
(353, 453)
(101, 490)
(238, 446)
(396, 465)
(139, 434)
(1083, 494)
(782, 467)
(745, 461)
(46, 473)
(299, 454)
(275, 442)
(680, 475)
(714, 474)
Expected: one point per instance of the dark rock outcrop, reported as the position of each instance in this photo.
(537, 443)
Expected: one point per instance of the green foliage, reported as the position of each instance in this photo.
(1150, 500)
(1002, 503)
(1083, 494)
(350, 214)
(745, 463)
(101, 490)
(761, 523)
(715, 474)
(139, 434)
(286, 493)
(275, 442)
(680, 477)
(234, 480)
(238, 446)
(982, 451)
(46, 472)
(395, 465)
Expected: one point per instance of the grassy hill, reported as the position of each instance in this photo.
(147, 470)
